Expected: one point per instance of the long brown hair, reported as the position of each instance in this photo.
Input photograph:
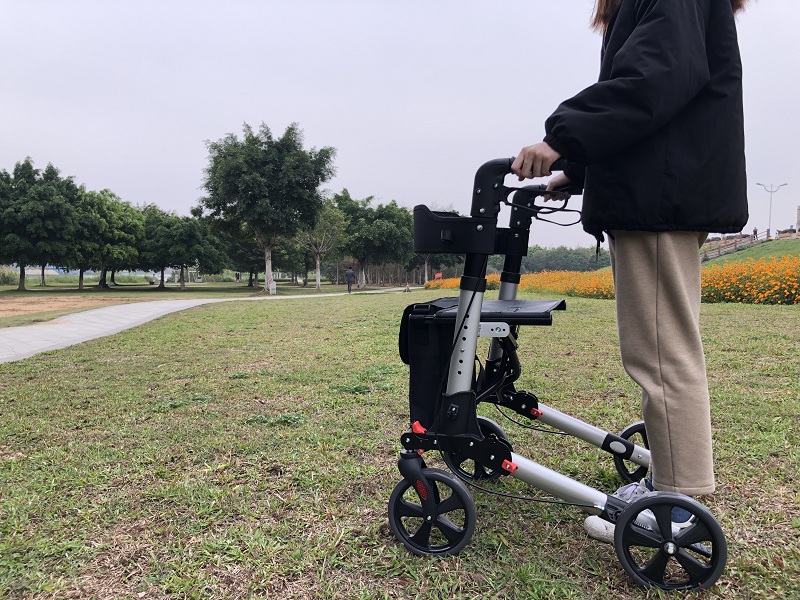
(605, 10)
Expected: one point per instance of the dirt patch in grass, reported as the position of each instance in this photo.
(14, 307)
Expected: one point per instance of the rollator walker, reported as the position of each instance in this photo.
(430, 510)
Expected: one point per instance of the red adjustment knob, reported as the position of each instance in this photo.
(536, 413)
(418, 428)
(509, 466)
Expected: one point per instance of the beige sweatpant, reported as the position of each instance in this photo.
(657, 284)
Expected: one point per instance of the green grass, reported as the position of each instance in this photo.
(249, 450)
(765, 250)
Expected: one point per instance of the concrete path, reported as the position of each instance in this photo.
(17, 343)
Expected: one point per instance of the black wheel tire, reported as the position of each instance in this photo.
(630, 471)
(448, 531)
(466, 468)
(667, 557)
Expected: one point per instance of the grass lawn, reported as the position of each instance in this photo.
(249, 450)
(766, 250)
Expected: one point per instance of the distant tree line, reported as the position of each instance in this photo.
(264, 211)
(47, 219)
(558, 259)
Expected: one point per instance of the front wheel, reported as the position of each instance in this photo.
(444, 531)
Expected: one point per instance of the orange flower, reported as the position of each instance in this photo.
(774, 281)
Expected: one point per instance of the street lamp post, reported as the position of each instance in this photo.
(771, 189)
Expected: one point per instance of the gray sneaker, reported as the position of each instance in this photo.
(602, 530)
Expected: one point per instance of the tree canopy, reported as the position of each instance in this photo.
(37, 216)
(267, 185)
(324, 236)
(46, 219)
(377, 235)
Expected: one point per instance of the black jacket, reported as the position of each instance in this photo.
(661, 134)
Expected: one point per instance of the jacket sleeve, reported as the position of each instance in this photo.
(655, 73)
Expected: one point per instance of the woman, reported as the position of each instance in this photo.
(657, 144)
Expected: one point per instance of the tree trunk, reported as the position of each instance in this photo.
(113, 273)
(161, 284)
(182, 279)
(268, 268)
(80, 280)
(21, 286)
(43, 283)
(102, 281)
(318, 260)
(250, 279)
(362, 276)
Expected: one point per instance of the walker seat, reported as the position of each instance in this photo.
(426, 340)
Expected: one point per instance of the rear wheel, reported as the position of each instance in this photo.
(628, 470)
(657, 552)
(465, 467)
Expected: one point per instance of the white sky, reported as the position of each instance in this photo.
(414, 95)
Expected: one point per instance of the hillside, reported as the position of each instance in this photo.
(767, 250)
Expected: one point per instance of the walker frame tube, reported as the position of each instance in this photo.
(519, 222)
(594, 435)
(460, 376)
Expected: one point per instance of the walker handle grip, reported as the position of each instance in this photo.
(488, 188)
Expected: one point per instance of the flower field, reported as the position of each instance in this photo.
(775, 281)
(772, 281)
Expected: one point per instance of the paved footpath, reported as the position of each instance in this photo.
(17, 343)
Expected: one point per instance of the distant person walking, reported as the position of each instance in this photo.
(349, 278)
(755, 233)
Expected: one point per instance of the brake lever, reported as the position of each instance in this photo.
(571, 189)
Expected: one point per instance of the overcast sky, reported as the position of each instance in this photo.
(414, 95)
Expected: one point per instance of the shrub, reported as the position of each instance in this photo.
(8, 276)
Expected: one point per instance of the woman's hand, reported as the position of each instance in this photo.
(534, 161)
(556, 182)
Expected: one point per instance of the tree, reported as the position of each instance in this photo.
(324, 236)
(179, 242)
(268, 186)
(91, 228)
(397, 232)
(357, 216)
(436, 262)
(119, 242)
(37, 216)
(244, 253)
(193, 245)
(155, 248)
(375, 235)
(564, 259)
